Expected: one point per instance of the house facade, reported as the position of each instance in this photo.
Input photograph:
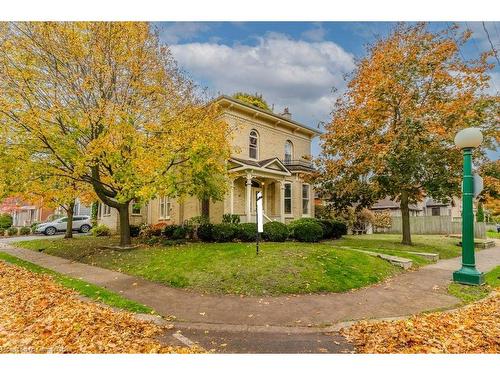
(426, 207)
(270, 154)
(25, 213)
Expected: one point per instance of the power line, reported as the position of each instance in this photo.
(491, 44)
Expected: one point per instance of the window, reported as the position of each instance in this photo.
(253, 145)
(136, 208)
(164, 208)
(305, 199)
(106, 210)
(76, 209)
(288, 198)
(288, 151)
(436, 211)
(78, 218)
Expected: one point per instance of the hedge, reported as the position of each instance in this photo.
(23, 231)
(224, 232)
(275, 231)
(247, 232)
(101, 230)
(308, 231)
(205, 232)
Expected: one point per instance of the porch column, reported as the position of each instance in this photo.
(232, 198)
(282, 201)
(248, 202)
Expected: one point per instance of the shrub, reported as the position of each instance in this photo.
(135, 230)
(198, 220)
(224, 232)
(34, 225)
(275, 231)
(339, 229)
(24, 231)
(333, 229)
(230, 219)
(247, 232)
(101, 230)
(294, 223)
(177, 232)
(160, 241)
(205, 232)
(308, 231)
(2, 232)
(152, 230)
(5, 221)
(169, 230)
(327, 226)
(12, 231)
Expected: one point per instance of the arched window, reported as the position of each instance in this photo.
(288, 151)
(253, 144)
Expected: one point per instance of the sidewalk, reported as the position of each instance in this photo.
(408, 293)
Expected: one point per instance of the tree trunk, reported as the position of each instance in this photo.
(124, 224)
(69, 223)
(405, 218)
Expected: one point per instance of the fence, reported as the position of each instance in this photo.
(432, 225)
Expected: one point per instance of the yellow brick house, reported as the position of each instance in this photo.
(271, 154)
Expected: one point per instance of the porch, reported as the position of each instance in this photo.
(249, 178)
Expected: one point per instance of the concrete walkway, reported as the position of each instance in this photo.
(407, 293)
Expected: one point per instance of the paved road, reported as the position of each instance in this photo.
(264, 342)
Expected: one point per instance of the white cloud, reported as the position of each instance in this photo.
(316, 34)
(175, 32)
(289, 73)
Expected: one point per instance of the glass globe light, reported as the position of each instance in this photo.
(468, 138)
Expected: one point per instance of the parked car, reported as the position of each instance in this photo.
(80, 223)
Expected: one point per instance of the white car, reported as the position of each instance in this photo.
(80, 223)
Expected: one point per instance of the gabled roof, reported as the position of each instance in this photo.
(265, 113)
(388, 203)
(272, 165)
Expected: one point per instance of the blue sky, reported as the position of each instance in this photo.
(292, 64)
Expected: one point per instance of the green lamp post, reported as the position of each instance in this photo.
(467, 139)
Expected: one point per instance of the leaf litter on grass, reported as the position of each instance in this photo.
(38, 315)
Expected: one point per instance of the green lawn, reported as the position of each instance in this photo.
(445, 246)
(88, 290)
(471, 293)
(493, 235)
(281, 268)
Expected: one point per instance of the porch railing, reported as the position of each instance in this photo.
(298, 163)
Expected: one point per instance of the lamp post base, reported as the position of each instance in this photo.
(469, 276)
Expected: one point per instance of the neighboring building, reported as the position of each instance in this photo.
(25, 213)
(275, 152)
(426, 207)
(392, 206)
(79, 209)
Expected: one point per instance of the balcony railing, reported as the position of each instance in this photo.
(298, 163)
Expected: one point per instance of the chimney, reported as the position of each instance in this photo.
(286, 114)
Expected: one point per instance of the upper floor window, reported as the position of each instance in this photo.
(288, 151)
(253, 145)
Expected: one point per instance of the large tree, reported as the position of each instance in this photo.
(105, 103)
(392, 131)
